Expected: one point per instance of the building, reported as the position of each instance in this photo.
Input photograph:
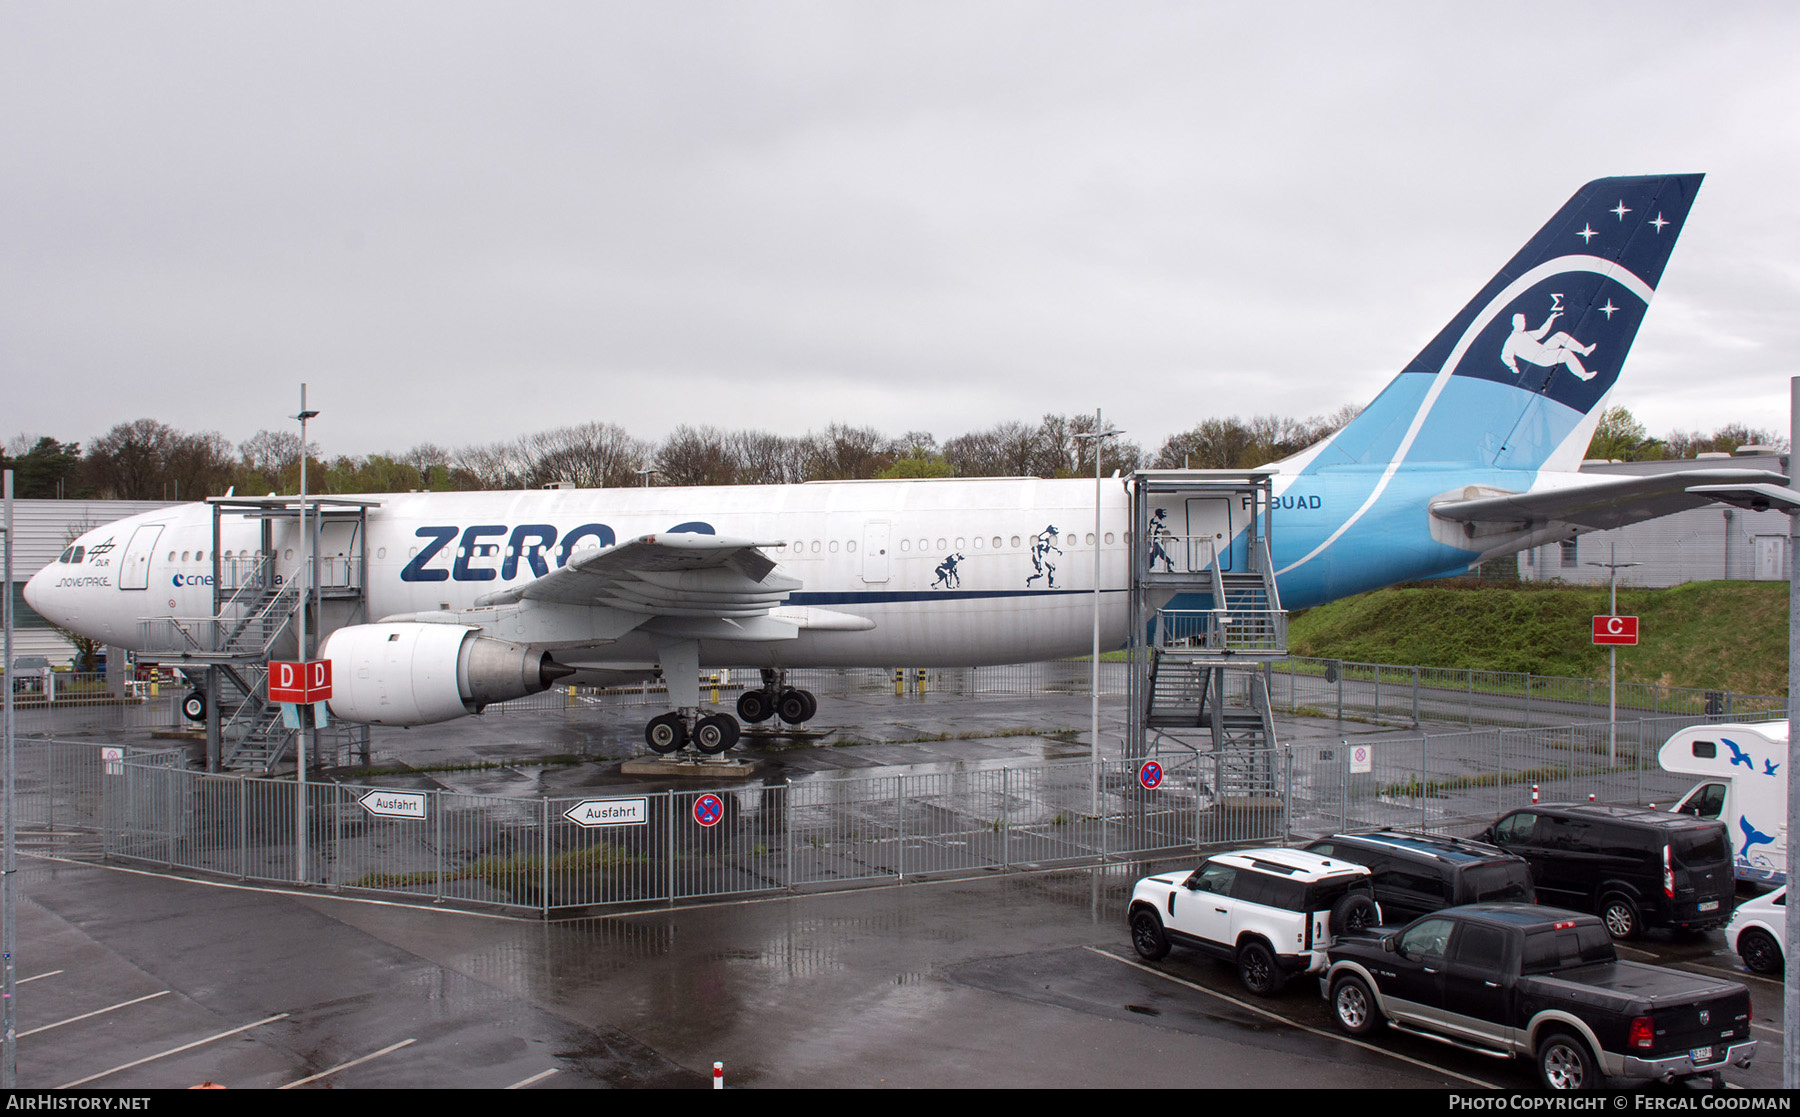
(1701, 544)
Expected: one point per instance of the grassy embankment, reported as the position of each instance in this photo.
(1718, 635)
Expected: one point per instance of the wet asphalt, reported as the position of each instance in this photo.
(131, 979)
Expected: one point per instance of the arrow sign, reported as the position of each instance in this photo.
(394, 804)
(1615, 630)
(609, 812)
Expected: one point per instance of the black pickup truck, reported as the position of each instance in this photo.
(1522, 981)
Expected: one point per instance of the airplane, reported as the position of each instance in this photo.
(1470, 453)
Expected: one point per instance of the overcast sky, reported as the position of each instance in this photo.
(462, 222)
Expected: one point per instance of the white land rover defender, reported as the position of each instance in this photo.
(1272, 912)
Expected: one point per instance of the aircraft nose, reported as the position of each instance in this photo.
(39, 595)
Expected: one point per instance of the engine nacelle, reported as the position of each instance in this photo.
(406, 673)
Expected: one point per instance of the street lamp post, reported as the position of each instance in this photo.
(1099, 432)
(9, 1067)
(308, 594)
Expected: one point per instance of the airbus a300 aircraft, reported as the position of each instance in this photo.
(1470, 453)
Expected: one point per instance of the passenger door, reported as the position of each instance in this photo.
(1202, 907)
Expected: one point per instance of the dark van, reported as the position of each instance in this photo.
(1632, 866)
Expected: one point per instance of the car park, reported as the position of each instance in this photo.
(1416, 873)
(1757, 930)
(1634, 867)
(1521, 981)
(1271, 912)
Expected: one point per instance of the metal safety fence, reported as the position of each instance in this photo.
(1459, 782)
(1418, 695)
(554, 854)
(619, 846)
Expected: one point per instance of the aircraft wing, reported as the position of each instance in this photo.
(676, 575)
(1604, 502)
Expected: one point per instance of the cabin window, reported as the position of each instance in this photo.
(850, 546)
(834, 546)
(1109, 538)
(979, 543)
(1015, 541)
(906, 544)
(381, 552)
(1706, 750)
(1090, 539)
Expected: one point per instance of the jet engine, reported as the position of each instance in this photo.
(407, 673)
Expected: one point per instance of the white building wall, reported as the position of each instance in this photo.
(1701, 544)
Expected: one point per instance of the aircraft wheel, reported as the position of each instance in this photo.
(812, 704)
(754, 706)
(716, 734)
(793, 707)
(666, 733)
(193, 707)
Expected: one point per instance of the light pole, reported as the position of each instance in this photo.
(1099, 432)
(307, 593)
(9, 1067)
(1612, 653)
(647, 473)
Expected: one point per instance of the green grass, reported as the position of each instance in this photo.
(1717, 635)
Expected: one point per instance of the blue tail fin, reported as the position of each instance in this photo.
(1516, 379)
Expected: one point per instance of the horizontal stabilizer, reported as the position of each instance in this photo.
(1601, 503)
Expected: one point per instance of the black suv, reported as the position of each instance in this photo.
(1632, 866)
(1416, 874)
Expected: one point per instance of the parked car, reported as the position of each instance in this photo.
(1757, 930)
(1269, 911)
(29, 673)
(1522, 981)
(1417, 873)
(1634, 867)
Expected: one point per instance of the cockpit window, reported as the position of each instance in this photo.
(79, 551)
(64, 557)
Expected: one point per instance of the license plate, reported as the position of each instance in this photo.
(1710, 905)
(1701, 1055)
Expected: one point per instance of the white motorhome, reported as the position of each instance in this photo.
(1745, 788)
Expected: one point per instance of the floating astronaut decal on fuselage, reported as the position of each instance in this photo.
(1043, 545)
(1533, 347)
(947, 575)
(1159, 534)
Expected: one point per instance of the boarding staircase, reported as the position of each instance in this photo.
(256, 613)
(1207, 619)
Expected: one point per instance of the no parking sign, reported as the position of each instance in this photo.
(709, 809)
(1362, 760)
(1150, 774)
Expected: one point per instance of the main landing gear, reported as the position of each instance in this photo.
(712, 735)
(717, 733)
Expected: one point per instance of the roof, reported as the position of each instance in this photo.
(1458, 850)
(1296, 863)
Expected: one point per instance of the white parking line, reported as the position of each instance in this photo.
(96, 1012)
(346, 1066)
(172, 1051)
(36, 976)
(533, 1080)
(1260, 1011)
